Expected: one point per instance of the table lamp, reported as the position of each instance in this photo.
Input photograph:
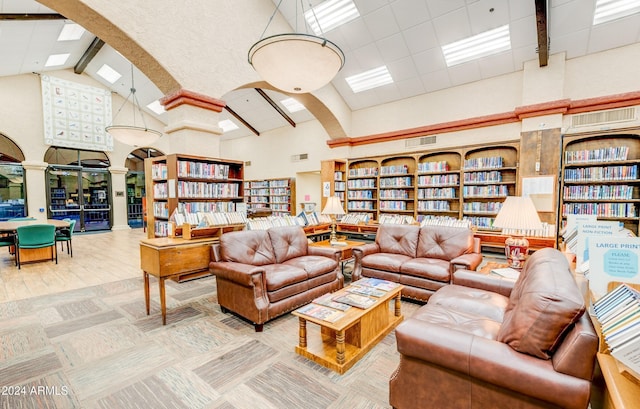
(333, 208)
(519, 215)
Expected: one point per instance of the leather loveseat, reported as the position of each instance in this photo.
(489, 342)
(261, 274)
(422, 259)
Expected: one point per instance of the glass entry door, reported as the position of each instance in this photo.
(81, 194)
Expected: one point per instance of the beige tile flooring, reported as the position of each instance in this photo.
(98, 258)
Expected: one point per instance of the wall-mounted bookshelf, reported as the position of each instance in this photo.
(438, 176)
(189, 184)
(600, 177)
(362, 187)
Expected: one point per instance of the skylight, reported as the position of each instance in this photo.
(481, 45)
(156, 107)
(374, 78)
(71, 32)
(227, 125)
(330, 14)
(292, 105)
(109, 74)
(608, 10)
(55, 60)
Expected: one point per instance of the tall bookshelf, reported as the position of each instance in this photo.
(438, 184)
(362, 187)
(333, 174)
(277, 194)
(396, 182)
(189, 184)
(489, 175)
(600, 177)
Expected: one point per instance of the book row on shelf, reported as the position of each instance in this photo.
(609, 154)
(438, 180)
(598, 192)
(202, 170)
(600, 209)
(437, 193)
(605, 173)
(394, 194)
(203, 219)
(394, 170)
(406, 181)
(482, 177)
(393, 205)
(435, 205)
(218, 206)
(361, 183)
(210, 190)
(485, 191)
(363, 172)
(439, 166)
(483, 163)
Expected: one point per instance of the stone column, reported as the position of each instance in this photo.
(119, 197)
(193, 123)
(34, 179)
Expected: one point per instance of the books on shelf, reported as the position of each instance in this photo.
(321, 312)
(356, 300)
(506, 272)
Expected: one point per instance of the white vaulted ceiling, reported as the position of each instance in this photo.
(404, 35)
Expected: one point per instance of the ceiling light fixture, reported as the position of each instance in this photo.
(292, 105)
(295, 62)
(132, 134)
(481, 45)
(374, 78)
(55, 60)
(71, 32)
(608, 10)
(331, 14)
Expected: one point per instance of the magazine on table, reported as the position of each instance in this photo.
(356, 300)
(321, 312)
(365, 290)
(327, 301)
(377, 283)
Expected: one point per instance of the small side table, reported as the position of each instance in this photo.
(346, 253)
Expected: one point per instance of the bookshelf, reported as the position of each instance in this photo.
(489, 175)
(600, 176)
(189, 184)
(362, 187)
(438, 184)
(396, 191)
(279, 195)
(333, 174)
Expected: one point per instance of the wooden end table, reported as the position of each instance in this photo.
(346, 252)
(343, 342)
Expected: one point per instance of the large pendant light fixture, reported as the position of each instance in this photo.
(296, 62)
(133, 134)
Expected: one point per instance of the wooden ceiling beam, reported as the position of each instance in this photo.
(275, 106)
(241, 119)
(543, 32)
(88, 55)
(31, 17)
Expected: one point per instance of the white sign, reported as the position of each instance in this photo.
(613, 259)
(587, 230)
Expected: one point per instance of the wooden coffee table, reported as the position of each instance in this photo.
(342, 343)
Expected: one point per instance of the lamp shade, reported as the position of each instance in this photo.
(518, 213)
(333, 206)
(296, 62)
(133, 135)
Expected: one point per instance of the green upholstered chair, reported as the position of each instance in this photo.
(64, 235)
(36, 236)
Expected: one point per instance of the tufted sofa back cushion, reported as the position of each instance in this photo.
(398, 239)
(288, 242)
(545, 302)
(444, 242)
(248, 247)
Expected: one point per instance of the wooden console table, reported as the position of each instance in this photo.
(173, 258)
(496, 240)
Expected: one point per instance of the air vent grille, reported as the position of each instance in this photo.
(299, 157)
(604, 117)
(423, 140)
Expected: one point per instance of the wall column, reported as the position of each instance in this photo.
(36, 185)
(193, 123)
(119, 197)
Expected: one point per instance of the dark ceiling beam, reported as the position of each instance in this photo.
(31, 17)
(275, 106)
(543, 33)
(88, 55)
(241, 119)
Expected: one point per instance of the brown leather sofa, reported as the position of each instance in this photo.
(261, 274)
(422, 259)
(487, 342)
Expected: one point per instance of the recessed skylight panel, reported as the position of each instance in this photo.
(481, 45)
(109, 74)
(292, 105)
(330, 14)
(374, 78)
(608, 10)
(56, 60)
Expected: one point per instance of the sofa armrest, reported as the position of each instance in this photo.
(489, 361)
(469, 261)
(358, 253)
(239, 273)
(330, 252)
(483, 281)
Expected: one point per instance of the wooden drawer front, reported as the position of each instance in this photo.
(185, 259)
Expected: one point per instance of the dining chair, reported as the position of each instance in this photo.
(36, 236)
(64, 235)
(8, 240)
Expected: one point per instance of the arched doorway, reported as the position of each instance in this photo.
(12, 187)
(79, 187)
(136, 185)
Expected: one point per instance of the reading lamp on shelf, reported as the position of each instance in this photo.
(518, 215)
(333, 208)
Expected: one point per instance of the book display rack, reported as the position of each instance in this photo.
(188, 184)
(600, 177)
(277, 194)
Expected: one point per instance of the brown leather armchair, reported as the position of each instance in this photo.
(263, 274)
(488, 344)
(422, 259)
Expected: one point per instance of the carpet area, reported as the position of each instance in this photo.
(95, 347)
